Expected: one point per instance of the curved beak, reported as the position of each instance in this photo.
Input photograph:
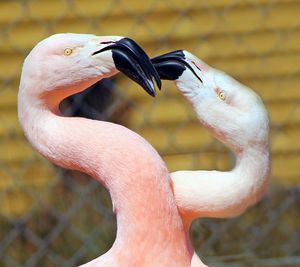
(130, 59)
(170, 66)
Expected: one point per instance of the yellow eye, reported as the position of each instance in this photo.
(68, 51)
(222, 95)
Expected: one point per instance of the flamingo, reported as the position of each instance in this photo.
(150, 230)
(236, 116)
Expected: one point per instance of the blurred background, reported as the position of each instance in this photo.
(53, 217)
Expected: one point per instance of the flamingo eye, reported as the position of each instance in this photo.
(222, 95)
(68, 51)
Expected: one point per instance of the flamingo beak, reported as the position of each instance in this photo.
(130, 59)
(170, 66)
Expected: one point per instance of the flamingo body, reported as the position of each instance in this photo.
(150, 230)
(236, 116)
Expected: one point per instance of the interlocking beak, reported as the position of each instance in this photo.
(130, 59)
(170, 66)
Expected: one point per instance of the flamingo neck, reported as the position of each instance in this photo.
(253, 167)
(150, 230)
(242, 186)
(246, 183)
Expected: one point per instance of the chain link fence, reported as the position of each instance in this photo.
(53, 217)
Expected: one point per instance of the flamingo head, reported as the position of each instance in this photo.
(68, 63)
(230, 110)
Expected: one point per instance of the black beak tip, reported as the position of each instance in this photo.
(148, 86)
(152, 93)
(131, 59)
(171, 66)
(158, 82)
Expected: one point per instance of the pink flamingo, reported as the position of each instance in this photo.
(236, 116)
(150, 230)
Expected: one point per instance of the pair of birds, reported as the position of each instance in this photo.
(154, 208)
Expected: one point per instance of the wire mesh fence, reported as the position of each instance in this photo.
(54, 217)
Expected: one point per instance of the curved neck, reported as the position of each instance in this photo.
(253, 164)
(223, 194)
(246, 183)
(150, 230)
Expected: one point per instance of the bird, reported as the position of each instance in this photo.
(236, 116)
(150, 229)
